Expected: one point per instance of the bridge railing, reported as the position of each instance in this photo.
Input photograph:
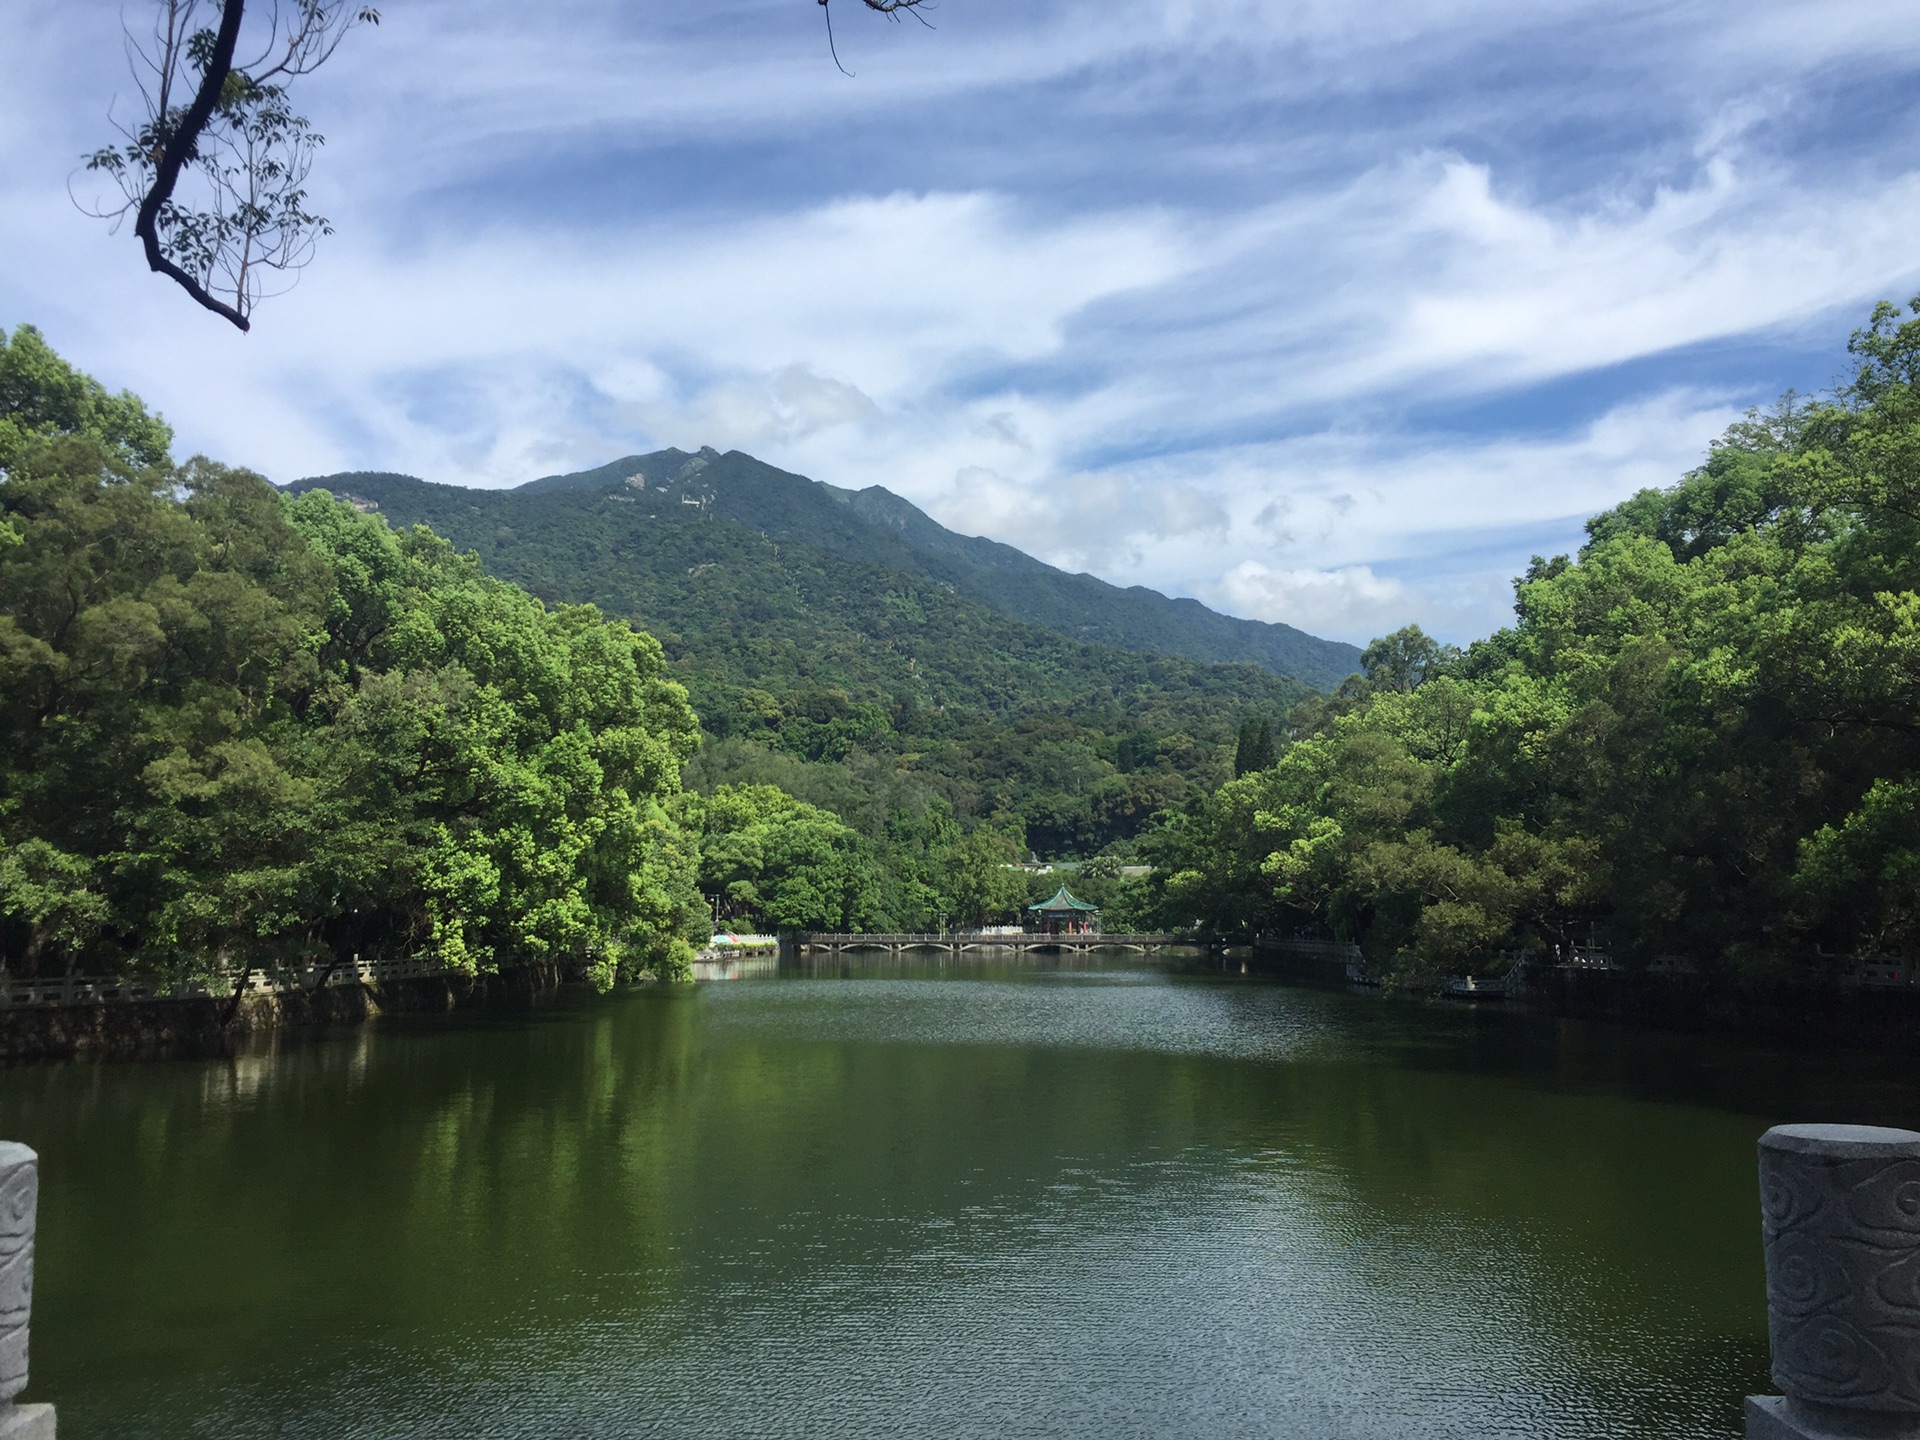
(948, 938)
(274, 980)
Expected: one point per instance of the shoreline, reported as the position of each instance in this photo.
(1800, 1017)
(1795, 1017)
(196, 1027)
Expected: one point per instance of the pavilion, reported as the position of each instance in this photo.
(1063, 915)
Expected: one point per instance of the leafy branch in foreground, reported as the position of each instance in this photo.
(224, 129)
(214, 171)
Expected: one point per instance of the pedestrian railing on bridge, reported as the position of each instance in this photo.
(956, 942)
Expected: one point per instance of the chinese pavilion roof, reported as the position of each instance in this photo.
(1064, 904)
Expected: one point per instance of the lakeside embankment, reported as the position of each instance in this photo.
(98, 1019)
(163, 1027)
(128, 1018)
(1800, 1013)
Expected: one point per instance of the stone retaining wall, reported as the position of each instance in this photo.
(153, 1029)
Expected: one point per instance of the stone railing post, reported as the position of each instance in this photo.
(19, 1197)
(1840, 1218)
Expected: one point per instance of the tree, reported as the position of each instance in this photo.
(223, 124)
(215, 118)
(42, 395)
(771, 860)
(1698, 737)
(1254, 750)
(239, 728)
(1405, 659)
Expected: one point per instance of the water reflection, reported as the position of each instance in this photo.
(1094, 1199)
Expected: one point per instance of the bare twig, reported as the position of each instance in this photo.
(826, 10)
(890, 8)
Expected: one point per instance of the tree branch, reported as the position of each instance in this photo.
(180, 147)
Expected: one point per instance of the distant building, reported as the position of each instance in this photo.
(1063, 915)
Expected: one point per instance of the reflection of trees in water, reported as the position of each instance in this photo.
(519, 1174)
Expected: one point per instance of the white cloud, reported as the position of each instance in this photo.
(1413, 526)
(1421, 278)
(1196, 295)
(754, 413)
(482, 360)
(1351, 602)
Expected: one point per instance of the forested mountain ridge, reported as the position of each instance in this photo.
(743, 609)
(875, 526)
(837, 661)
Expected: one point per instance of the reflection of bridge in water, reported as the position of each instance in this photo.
(957, 942)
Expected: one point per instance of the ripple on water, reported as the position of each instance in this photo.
(1124, 1010)
(1079, 1205)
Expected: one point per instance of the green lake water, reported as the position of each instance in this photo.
(966, 1200)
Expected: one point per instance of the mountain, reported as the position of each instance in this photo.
(879, 527)
(858, 662)
(742, 607)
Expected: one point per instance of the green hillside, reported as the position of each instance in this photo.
(879, 527)
(800, 654)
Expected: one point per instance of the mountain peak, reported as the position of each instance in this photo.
(876, 526)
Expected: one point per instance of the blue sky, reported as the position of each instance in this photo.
(1330, 313)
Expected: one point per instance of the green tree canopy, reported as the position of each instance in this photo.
(774, 862)
(1404, 660)
(237, 728)
(1697, 738)
(42, 395)
(1254, 748)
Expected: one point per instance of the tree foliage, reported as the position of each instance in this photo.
(1698, 738)
(42, 395)
(1253, 749)
(215, 119)
(775, 862)
(779, 863)
(238, 728)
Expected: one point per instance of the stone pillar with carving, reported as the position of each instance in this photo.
(19, 1196)
(1840, 1217)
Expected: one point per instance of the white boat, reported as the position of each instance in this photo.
(1472, 987)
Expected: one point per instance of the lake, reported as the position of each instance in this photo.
(961, 1199)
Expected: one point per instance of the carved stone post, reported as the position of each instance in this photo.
(1840, 1216)
(19, 1194)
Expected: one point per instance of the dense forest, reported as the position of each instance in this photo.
(1698, 743)
(239, 724)
(841, 678)
(240, 727)
(874, 528)
(236, 728)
